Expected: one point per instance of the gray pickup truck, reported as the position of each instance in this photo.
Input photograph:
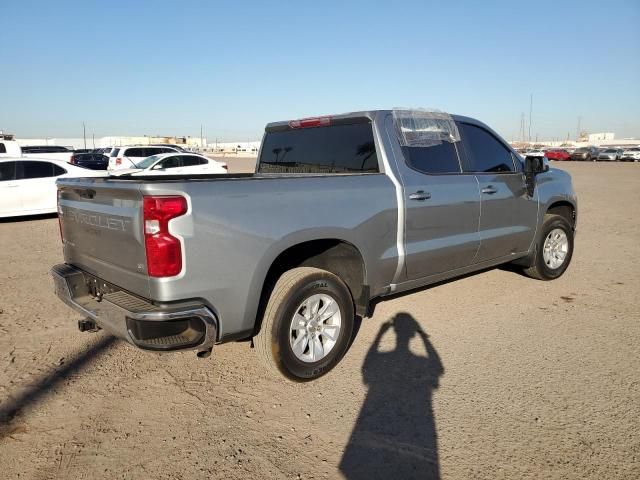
(341, 210)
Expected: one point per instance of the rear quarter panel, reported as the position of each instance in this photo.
(236, 228)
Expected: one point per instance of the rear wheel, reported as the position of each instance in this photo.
(307, 324)
(553, 250)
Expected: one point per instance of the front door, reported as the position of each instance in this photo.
(508, 215)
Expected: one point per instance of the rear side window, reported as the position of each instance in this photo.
(7, 171)
(441, 158)
(136, 152)
(483, 152)
(114, 152)
(32, 170)
(346, 148)
(57, 170)
(3, 149)
(192, 161)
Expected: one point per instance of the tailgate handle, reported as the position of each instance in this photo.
(85, 192)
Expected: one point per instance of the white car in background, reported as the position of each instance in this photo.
(174, 164)
(533, 153)
(28, 185)
(127, 157)
(631, 155)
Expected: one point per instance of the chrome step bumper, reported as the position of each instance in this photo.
(186, 326)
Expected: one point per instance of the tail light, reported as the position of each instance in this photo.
(118, 161)
(73, 160)
(310, 122)
(164, 251)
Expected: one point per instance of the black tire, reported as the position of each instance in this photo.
(539, 269)
(272, 343)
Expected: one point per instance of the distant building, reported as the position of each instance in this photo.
(598, 137)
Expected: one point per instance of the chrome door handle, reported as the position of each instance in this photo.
(420, 195)
(489, 190)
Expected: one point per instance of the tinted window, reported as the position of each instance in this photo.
(334, 149)
(192, 161)
(35, 170)
(483, 151)
(137, 152)
(44, 149)
(57, 171)
(3, 149)
(114, 152)
(7, 171)
(441, 158)
(171, 162)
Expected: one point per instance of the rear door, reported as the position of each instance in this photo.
(10, 199)
(194, 164)
(37, 185)
(442, 208)
(508, 216)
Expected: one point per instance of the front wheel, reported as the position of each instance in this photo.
(307, 324)
(553, 250)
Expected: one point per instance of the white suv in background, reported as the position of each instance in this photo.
(128, 156)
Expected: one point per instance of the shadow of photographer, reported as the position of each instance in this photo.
(395, 435)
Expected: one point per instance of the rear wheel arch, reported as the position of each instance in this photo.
(336, 256)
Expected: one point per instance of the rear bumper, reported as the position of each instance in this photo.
(187, 326)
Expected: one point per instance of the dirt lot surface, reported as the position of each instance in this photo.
(491, 376)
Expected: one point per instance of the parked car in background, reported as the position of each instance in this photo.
(174, 164)
(557, 154)
(11, 148)
(610, 154)
(631, 155)
(585, 153)
(128, 156)
(91, 160)
(533, 153)
(54, 152)
(28, 185)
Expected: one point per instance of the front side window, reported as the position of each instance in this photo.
(483, 153)
(7, 171)
(171, 162)
(345, 148)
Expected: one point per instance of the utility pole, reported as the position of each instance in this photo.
(530, 112)
(84, 135)
(578, 130)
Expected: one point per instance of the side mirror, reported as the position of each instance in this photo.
(532, 167)
(535, 165)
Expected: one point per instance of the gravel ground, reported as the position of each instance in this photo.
(491, 376)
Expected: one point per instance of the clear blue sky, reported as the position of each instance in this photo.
(128, 67)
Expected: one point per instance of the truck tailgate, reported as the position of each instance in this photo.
(101, 225)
